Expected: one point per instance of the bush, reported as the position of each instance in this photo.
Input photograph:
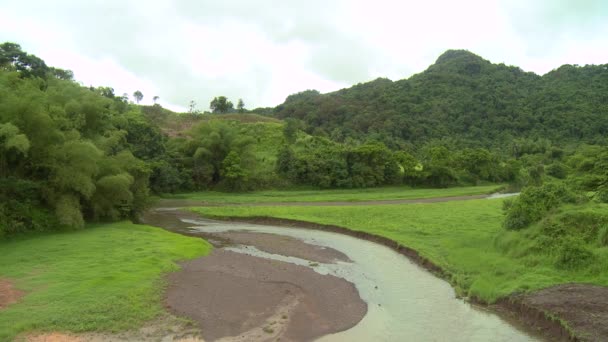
(602, 236)
(602, 196)
(533, 203)
(573, 254)
(556, 170)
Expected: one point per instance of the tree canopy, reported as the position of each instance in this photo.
(221, 104)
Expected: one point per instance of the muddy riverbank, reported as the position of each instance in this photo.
(569, 312)
(235, 296)
(403, 301)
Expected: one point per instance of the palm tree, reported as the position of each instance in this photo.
(138, 96)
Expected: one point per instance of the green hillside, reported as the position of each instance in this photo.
(465, 100)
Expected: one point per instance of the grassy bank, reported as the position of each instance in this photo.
(385, 193)
(465, 238)
(105, 277)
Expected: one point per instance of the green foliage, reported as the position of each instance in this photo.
(221, 104)
(240, 106)
(69, 143)
(68, 211)
(469, 100)
(557, 170)
(602, 237)
(533, 203)
(103, 278)
(573, 254)
(464, 238)
(210, 144)
(290, 130)
(11, 56)
(12, 140)
(234, 176)
(138, 96)
(345, 195)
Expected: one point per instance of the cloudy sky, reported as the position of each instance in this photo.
(264, 50)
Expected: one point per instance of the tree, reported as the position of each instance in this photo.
(138, 96)
(210, 145)
(106, 92)
(234, 176)
(290, 130)
(241, 106)
(220, 104)
(28, 65)
(192, 107)
(155, 98)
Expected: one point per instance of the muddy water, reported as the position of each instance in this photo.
(405, 302)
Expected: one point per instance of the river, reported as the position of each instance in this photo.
(405, 301)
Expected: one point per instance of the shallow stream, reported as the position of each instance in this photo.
(405, 302)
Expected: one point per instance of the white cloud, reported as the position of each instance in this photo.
(265, 50)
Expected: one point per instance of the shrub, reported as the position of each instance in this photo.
(556, 170)
(573, 254)
(602, 196)
(533, 203)
(602, 236)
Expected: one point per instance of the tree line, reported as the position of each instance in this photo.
(70, 154)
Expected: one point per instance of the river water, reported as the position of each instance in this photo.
(405, 302)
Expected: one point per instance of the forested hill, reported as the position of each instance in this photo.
(465, 99)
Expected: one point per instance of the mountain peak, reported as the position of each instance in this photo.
(458, 55)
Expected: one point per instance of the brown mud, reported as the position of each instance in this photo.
(236, 295)
(239, 297)
(8, 293)
(582, 308)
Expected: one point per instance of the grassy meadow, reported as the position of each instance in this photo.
(349, 195)
(465, 238)
(107, 277)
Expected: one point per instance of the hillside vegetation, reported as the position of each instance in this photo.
(463, 100)
(72, 154)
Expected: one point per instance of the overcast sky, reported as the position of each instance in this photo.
(262, 51)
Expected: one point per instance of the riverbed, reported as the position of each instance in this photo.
(404, 301)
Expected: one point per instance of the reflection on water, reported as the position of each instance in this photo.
(405, 302)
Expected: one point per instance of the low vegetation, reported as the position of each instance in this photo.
(555, 232)
(105, 277)
(348, 195)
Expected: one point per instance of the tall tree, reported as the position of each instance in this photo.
(241, 106)
(220, 104)
(155, 98)
(138, 96)
(28, 65)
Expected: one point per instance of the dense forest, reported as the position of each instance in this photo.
(71, 154)
(462, 100)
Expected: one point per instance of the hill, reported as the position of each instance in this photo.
(465, 100)
(176, 124)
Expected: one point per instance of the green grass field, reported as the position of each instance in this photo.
(351, 195)
(103, 278)
(465, 238)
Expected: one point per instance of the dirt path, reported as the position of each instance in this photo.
(179, 203)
